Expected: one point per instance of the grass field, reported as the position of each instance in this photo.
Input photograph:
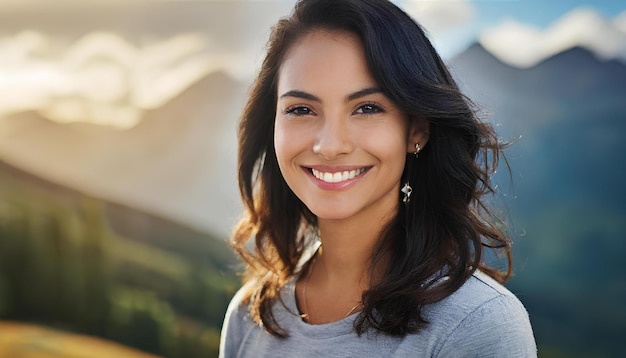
(19, 340)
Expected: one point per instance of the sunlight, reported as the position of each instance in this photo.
(101, 78)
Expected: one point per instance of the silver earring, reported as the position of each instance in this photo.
(417, 150)
(406, 190)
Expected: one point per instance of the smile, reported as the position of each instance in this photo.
(337, 177)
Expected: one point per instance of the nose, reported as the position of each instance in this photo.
(333, 139)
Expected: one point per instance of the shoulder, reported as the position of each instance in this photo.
(237, 323)
(482, 318)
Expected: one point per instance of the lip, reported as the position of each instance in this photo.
(342, 185)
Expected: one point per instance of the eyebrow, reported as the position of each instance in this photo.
(351, 97)
(301, 94)
(363, 93)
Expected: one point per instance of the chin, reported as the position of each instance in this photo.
(334, 213)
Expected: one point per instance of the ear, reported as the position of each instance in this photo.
(419, 133)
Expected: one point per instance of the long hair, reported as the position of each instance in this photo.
(438, 240)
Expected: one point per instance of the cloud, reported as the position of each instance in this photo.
(448, 23)
(70, 72)
(620, 21)
(102, 78)
(524, 46)
(440, 16)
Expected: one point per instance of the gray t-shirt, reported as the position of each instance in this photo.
(480, 319)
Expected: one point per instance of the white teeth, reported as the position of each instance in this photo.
(337, 176)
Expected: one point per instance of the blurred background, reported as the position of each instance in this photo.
(118, 165)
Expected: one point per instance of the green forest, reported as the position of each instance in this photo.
(62, 265)
(569, 274)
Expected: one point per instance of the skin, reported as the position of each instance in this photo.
(332, 118)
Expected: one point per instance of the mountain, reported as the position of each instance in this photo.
(178, 163)
(575, 77)
(136, 225)
(83, 264)
(565, 197)
(570, 114)
(525, 46)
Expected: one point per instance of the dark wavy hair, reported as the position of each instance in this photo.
(445, 229)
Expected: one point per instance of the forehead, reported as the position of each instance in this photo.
(325, 39)
(325, 56)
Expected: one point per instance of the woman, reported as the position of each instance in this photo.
(363, 171)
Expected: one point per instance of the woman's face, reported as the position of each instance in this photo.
(341, 143)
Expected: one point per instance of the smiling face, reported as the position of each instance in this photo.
(341, 144)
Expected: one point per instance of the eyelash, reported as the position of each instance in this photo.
(294, 109)
(375, 108)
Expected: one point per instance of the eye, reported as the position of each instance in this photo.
(298, 110)
(369, 108)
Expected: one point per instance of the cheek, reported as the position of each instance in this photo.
(287, 143)
(281, 147)
(389, 143)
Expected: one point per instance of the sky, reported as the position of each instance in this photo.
(107, 61)
(456, 24)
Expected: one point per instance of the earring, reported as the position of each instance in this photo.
(417, 150)
(406, 190)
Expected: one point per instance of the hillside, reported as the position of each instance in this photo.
(565, 198)
(126, 221)
(178, 163)
(78, 263)
(19, 340)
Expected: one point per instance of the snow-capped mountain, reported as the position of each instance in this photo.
(524, 46)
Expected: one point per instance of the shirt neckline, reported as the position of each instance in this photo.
(320, 331)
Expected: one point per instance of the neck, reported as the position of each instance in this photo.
(346, 251)
(340, 272)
